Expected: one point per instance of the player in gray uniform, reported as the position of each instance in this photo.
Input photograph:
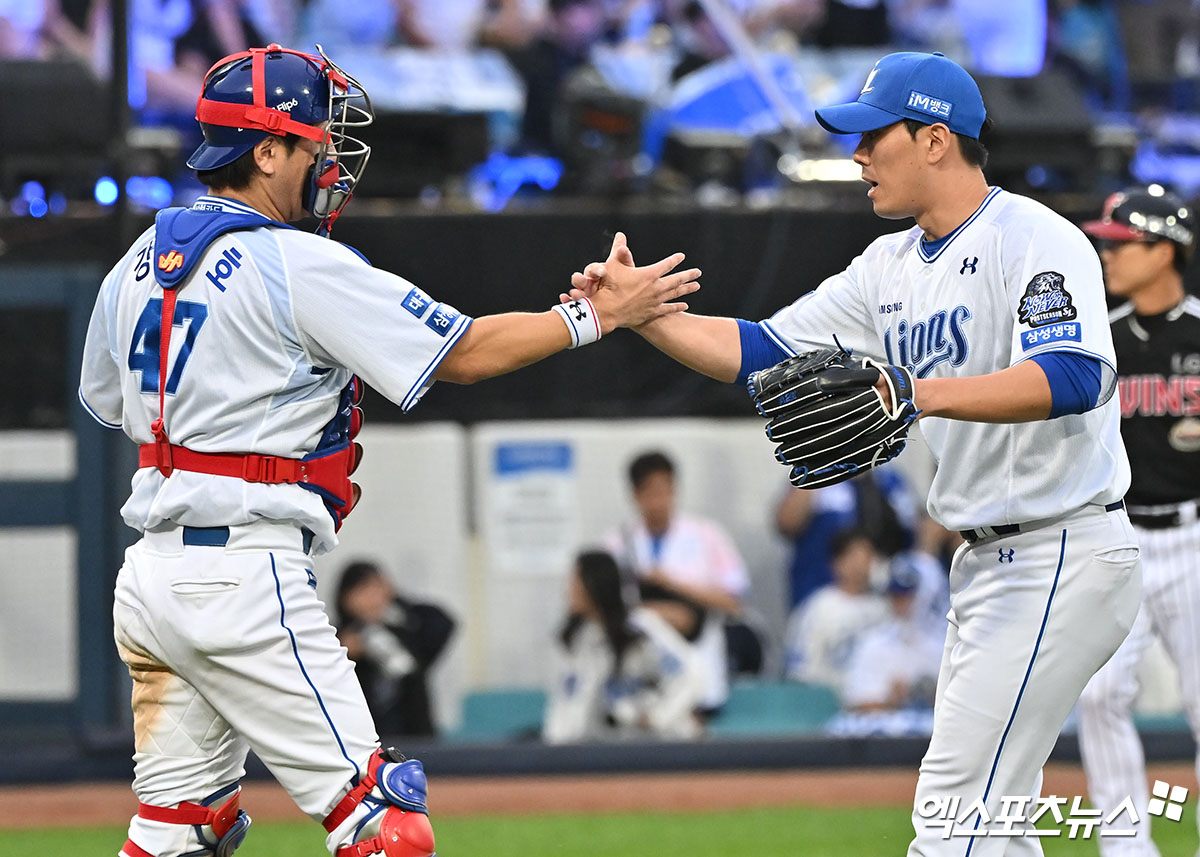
(996, 307)
(1145, 237)
(224, 343)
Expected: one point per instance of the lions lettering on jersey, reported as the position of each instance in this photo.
(922, 345)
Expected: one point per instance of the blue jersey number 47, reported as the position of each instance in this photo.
(144, 350)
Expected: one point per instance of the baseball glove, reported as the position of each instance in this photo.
(828, 419)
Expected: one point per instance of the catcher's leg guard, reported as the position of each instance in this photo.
(385, 813)
(214, 831)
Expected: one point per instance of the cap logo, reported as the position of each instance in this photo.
(928, 104)
(870, 77)
(287, 105)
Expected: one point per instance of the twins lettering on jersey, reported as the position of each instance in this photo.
(922, 345)
(1158, 396)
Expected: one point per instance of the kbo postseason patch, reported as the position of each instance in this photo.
(1046, 301)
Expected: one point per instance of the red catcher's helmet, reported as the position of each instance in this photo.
(273, 90)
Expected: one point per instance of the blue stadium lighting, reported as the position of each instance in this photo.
(33, 190)
(106, 191)
(150, 191)
(502, 176)
(38, 207)
(58, 203)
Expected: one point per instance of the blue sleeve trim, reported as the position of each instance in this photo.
(759, 351)
(414, 394)
(1074, 381)
(92, 413)
(355, 251)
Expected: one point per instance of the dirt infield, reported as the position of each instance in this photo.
(111, 803)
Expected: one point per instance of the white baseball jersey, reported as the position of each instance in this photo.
(1013, 281)
(268, 327)
(903, 650)
(696, 552)
(659, 685)
(822, 632)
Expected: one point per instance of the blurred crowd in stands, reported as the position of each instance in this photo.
(666, 605)
(612, 59)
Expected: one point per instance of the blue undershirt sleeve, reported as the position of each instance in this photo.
(1075, 381)
(758, 350)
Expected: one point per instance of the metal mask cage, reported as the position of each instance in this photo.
(349, 108)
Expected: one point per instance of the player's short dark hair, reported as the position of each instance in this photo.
(1183, 254)
(353, 576)
(649, 463)
(237, 174)
(843, 539)
(973, 151)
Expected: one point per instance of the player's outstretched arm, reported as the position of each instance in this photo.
(498, 344)
(710, 345)
(1017, 394)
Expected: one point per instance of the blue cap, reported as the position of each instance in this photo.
(903, 575)
(926, 87)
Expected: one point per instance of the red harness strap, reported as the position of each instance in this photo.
(222, 819)
(354, 797)
(328, 472)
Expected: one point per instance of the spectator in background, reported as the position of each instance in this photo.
(821, 632)
(465, 24)
(686, 567)
(40, 29)
(894, 664)
(572, 28)
(697, 38)
(1085, 40)
(223, 27)
(926, 25)
(342, 27)
(853, 23)
(393, 642)
(879, 503)
(929, 559)
(1007, 38)
(624, 672)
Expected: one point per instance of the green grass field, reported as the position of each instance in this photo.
(792, 832)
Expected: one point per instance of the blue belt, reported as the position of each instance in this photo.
(218, 537)
(1010, 529)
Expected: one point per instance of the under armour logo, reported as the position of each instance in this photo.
(969, 263)
(580, 312)
(1007, 557)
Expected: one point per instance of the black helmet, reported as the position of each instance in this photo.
(1145, 214)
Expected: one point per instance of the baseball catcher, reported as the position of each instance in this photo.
(829, 414)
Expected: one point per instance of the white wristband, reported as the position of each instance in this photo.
(581, 320)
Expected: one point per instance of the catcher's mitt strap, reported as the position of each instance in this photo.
(900, 383)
